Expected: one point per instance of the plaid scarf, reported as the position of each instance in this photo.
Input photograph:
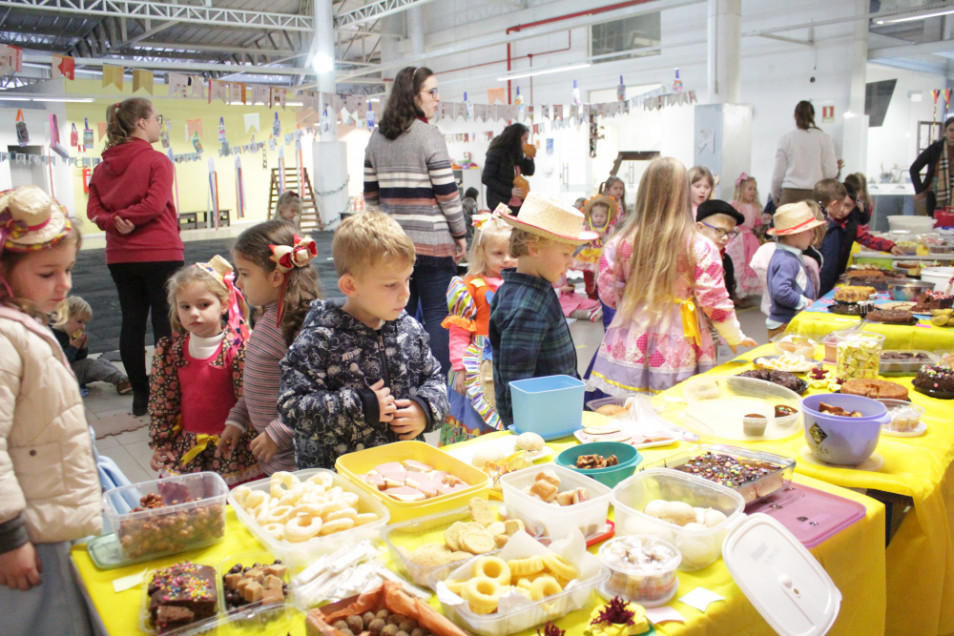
(943, 184)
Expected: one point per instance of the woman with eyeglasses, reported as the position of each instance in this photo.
(407, 174)
(509, 160)
(130, 198)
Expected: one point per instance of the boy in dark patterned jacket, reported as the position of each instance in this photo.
(362, 374)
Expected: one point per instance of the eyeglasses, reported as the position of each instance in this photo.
(722, 233)
(432, 91)
(159, 119)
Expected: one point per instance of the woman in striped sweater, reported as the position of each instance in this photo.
(275, 274)
(407, 174)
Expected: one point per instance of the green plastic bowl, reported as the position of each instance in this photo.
(628, 458)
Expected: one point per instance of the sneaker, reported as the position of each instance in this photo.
(123, 387)
(140, 405)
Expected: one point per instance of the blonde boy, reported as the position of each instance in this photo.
(528, 332)
(789, 285)
(72, 336)
(361, 374)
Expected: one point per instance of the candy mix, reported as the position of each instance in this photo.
(859, 356)
(642, 569)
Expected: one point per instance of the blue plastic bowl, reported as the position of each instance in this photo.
(843, 440)
(628, 458)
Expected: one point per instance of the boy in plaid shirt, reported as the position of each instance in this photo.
(528, 332)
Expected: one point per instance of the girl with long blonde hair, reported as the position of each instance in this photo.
(664, 279)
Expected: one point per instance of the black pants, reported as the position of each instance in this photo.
(142, 288)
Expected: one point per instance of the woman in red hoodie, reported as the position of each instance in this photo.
(130, 198)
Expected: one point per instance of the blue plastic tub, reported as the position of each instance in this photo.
(629, 458)
(839, 439)
(551, 406)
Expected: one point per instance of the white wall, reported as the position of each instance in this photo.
(37, 119)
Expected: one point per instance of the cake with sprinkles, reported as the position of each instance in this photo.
(936, 380)
(181, 594)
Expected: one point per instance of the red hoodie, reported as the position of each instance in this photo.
(134, 182)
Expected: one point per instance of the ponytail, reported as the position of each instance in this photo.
(122, 117)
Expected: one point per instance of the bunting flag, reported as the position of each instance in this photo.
(62, 66)
(496, 95)
(193, 127)
(113, 75)
(259, 94)
(252, 121)
(239, 189)
(236, 93)
(214, 191)
(218, 90)
(11, 59)
(142, 79)
(276, 95)
(281, 170)
(101, 128)
(178, 85)
(197, 86)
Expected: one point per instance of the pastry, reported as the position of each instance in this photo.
(872, 272)
(610, 410)
(892, 316)
(853, 293)
(181, 594)
(929, 300)
(935, 380)
(875, 389)
(530, 442)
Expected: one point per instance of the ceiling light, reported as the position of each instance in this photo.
(545, 71)
(30, 98)
(915, 16)
(323, 63)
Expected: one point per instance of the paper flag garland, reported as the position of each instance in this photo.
(236, 93)
(62, 66)
(196, 142)
(496, 95)
(11, 59)
(142, 79)
(193, 127)
(101, 128)
(55, 145)
(196, 86)
(178, 84)
(113, 75)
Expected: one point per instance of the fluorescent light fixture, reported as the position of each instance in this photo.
(545, 71)
(30, 98)
(914, 17)
(323, 63)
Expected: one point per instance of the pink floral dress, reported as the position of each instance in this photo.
(741, 249)
(651, 351)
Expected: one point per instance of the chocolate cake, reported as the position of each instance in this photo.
(181, 594)
(892, 316)
(782, 378)
(935, 380)
(929, 300)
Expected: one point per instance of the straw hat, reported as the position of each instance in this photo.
(31, 220)
(612, 207)
(793, 218)
(550, 219)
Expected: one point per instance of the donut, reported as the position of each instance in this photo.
(277, 530)
(253, 500)
(345, 513)
(279, 514)
(543, 587)
(348, 498)
(877, 389)
(482, 595)
(302, 527)
(337, 525)
(560, 567)
(365, 517)
(281, 482)
(493, 568)
(240, 494)
(526, 566)
(292, 496)
(324, 480)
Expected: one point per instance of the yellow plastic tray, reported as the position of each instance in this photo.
(353, 465)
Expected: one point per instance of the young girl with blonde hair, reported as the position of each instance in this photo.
(275, 273)
(742, 247)
(197, 376)
(471, 387)
(614, 187)
(49, 486)
(658, 337)
(701, 185)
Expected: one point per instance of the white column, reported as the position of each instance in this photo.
(854, 142)
(724, 36)
(328, 155)
(415, 30)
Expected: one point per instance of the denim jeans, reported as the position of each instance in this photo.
(428, 303)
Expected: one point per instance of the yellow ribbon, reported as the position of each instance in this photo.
(202, 442)
(690, 323)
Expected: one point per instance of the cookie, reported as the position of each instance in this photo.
(601, 430)
(430, 555)
(477, 541)
(482, 512)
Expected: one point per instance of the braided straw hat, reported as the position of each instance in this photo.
(550, 219)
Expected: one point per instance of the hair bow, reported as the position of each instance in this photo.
(287, 258)
(742, 179)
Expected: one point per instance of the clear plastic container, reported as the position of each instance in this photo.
(751, 490)
(147, 625)
(699, 547)
(641, 569)
(589, 516)
(249, 560)
(858, 354)
(905, 361)
(193, 515)
(717, 406)
(905, 416)
(300, 554)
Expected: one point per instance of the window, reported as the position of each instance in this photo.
(637, 36)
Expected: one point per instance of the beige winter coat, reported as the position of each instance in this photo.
(47, 469)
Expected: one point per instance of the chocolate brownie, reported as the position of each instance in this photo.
(181, 594)
(892, 316)
(929, 300)
(782, 378)
(936, 380)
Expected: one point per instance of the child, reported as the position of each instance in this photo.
(471, 387)
(469, 208)
(528, 333)
(197, 376)
(361, 374)
(614, 187)
(49, 486)
(701, 184)
(790, 287)
(578, 203)
(657, 338)
(288, 208)
(718, 221)
(842, 232)
(72, 336)
(864, 203)
(741, 248)
(275, 273)
(576, 305)
(599, 216)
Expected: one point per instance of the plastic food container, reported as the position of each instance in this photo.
(699, 547)
(300, 554)
(175, 527)
(403, 538)
(909, 223)
(589, 516)
(642, 569)
(838, 439)
(905, 361)
(628, 458)
(147, 625)
(858, 354)
(905, 416)
(750, 490)
(717, 406)
(551, 406)
(799, 345)
(244, 561)
(940, 276)
(353, 465)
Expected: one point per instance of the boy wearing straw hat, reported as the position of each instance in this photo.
(528, 332)
(790, 287)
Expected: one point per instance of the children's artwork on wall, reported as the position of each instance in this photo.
(276, 127)
(23, 135)
(74, 135)
(55, 144)
(87, 134)
(196, 142)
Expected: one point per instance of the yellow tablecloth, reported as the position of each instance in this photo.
(923, 335)
(920, 558)
(854, 558)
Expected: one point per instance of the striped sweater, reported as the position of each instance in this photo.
(411, 179)
(264, 350)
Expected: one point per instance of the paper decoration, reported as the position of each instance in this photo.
(142, 79)
(193, 127)
(276, 95)
(222, 137)
(252, 122)
(101, 127)
(11, 59)
(196, 87)
(112, 76)
(178, 85)
(239, 189)
(236, 93)
(23, 135)
(700, 598)
(164, 133)
(87, 134)
(259, 94)
(218, 90)
(196, 142)
(55, 145)
(496, 95)
(277, 127)
(62, 66)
